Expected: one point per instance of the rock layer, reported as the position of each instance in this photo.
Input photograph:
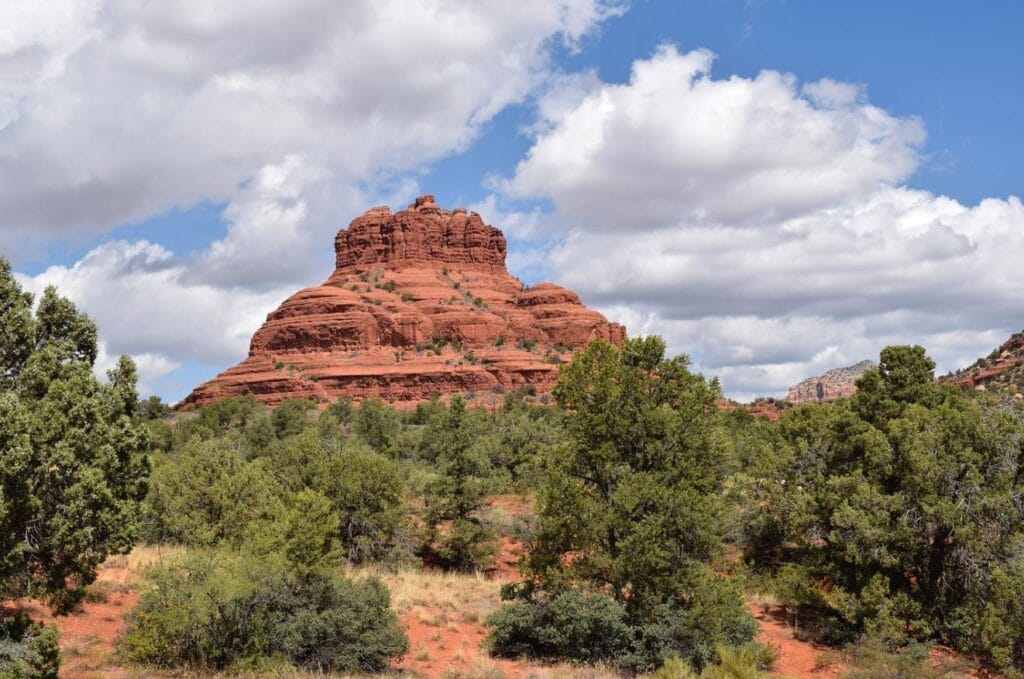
(420, 305)
(834, 384)
(1001, 372)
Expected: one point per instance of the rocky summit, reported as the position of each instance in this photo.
(420, 304)
(834, 384)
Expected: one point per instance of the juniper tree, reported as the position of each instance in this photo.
(72, 470)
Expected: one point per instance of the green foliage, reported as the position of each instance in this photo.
(364, 488)
(205, 495)
(454, 498)
(898, 511)
(291, 417)
(377, 425)
(573, 626)
(153, 408)
(591, 627)
(28, 650)
(222, 610)
(630, 508)
(633, 494)
(73, 469)
(872, 660)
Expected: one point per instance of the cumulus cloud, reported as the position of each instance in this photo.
(675, 144)
(123, 109)
(140, 296)
(295, 114)
(763, 226)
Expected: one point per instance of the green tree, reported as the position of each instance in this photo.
(457, 537)
(631, 508)
(904, 502)
(364, 487)
(206, 494)
(633, 495)
(73, 470)
(377, 425)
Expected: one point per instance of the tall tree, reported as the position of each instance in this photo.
(631, 504)
(72, 469)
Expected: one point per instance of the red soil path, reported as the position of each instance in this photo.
(795, 658)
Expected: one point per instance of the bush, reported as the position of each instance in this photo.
(205, 496)
(590, 627)
(575, 626)
(714, 617)
(221, 610)
(28, 650)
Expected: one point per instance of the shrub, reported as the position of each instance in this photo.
(529, 344)
(576, 626)
(291, 417)
(207, 495)
(220, 610)
(28, 650)
(591, 627)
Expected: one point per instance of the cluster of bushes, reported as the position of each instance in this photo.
(261, 607)
(895, 515)
(893, 518)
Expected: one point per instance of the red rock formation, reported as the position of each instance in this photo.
(420, 304)
(1002, 371)
(834, 384)
(766, 409)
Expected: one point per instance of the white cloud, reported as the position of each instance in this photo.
(122, 109)
(675, 144)
(763, 226)
(297, 114)
(140, 296)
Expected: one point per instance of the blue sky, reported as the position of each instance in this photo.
(777, 187)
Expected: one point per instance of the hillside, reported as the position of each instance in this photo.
(420, 304)
(833, 384)
(1001, 372)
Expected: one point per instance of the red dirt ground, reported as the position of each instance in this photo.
(87, 636)
(795, 658)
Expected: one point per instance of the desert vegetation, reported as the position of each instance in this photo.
(629, 528)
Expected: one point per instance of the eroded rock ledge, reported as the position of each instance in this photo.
(420, 304)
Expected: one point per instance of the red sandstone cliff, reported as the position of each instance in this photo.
(1001, 372)
(830, 386)
(420, 304)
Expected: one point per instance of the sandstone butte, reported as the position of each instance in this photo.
(834, 384)
(420, 305)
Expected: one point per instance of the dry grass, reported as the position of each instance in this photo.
(148, 673)
(130, 569)
(470, 595)
(572, 672)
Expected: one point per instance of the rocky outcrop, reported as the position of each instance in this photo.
(420, 304)
(834, 384)
(1001, 372)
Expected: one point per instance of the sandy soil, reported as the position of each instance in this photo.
(796, 658)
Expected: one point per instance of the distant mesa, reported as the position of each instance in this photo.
(833, 385)
(420, 304)
(1001, 372)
